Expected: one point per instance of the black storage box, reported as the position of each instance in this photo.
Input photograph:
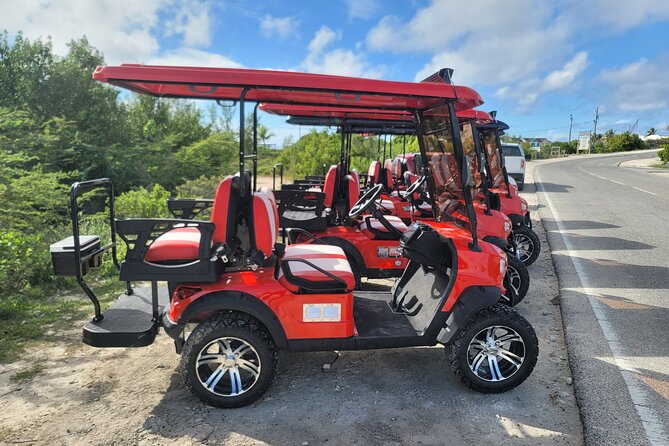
(63, 259)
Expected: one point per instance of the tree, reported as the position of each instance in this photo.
(651, 131)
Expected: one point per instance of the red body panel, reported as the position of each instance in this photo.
(367, 247)
(286, 305)
(474, 268)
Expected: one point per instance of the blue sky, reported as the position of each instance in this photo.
(534, 61)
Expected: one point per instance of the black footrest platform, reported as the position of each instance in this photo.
(127, 323)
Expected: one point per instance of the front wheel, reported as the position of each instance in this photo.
(527, 244)
(517, 277)
(495, 351)
(229, 360)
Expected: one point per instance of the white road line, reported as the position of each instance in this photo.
(617, 182)
(597, 176)
(649, 419)
(644, 190)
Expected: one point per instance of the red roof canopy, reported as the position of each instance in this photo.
(372, 114)
(316, 111)
(285, 87)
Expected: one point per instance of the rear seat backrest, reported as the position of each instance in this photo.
(265, 225)
(388, 166)
(397, 169)
(352, 189)
(373, 173)
(356, 176)
(330, 186)
(225, 210)
(270, 194)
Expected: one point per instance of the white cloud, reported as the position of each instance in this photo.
(486, 42)
(124, 30)
(362, 9)
(281, 27)
(337, 61)
(504, 43)
(614, 15)
(192, 21)
(190, 57)
(527, 92)
(323, 37)
(638, 86)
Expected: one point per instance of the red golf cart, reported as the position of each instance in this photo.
(236, 296)
(503, 194)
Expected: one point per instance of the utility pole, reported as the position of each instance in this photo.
(571, 121)
(596, 119)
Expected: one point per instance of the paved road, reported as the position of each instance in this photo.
(609, 233)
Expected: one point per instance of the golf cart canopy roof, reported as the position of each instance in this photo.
(479, 116)
(494, 125)
(337, 116)
(285, 87)
(370, 126)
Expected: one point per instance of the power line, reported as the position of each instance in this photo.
(576, 124)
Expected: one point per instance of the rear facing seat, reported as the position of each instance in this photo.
(183, 244)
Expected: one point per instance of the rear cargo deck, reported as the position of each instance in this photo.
(128, 322)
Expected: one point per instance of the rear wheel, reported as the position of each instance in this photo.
(495, 351)
(521, 184)
(527, 244)
(517, 277)
(229, 360)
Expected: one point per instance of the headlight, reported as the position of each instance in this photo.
(523, 207)
(507, 226)
(502, 266)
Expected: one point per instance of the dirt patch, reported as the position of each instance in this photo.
(84, 395)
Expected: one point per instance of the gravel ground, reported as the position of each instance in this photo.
(390, 397)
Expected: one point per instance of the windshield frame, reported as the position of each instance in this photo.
(454, 127)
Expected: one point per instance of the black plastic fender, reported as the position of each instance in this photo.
(236, 301)
(472, 300)
(500, 242)
(516, 219)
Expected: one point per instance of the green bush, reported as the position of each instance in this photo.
(663, 153)
(203, 187)
(24, 261)
(143, 203)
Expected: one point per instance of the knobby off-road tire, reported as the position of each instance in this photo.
(518, 276)
(524, 236)
(220, 357)
(518, 338)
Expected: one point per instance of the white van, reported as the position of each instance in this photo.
(514, 160)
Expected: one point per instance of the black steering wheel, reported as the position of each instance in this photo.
(415, 186)
(366, 201)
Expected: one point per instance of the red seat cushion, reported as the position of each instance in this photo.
(329, 258)
(176, 244)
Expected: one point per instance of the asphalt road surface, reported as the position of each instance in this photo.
(609, 232)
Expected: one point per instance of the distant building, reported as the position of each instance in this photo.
(536, 143)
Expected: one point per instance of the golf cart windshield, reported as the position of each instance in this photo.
(467, 134)
(440, 154)
(493, 158)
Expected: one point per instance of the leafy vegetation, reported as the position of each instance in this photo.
(663, 153)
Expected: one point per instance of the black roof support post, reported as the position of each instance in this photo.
(242, 142)
(255, 146)
(464, 172)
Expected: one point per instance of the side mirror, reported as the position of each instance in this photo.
(528, 157)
